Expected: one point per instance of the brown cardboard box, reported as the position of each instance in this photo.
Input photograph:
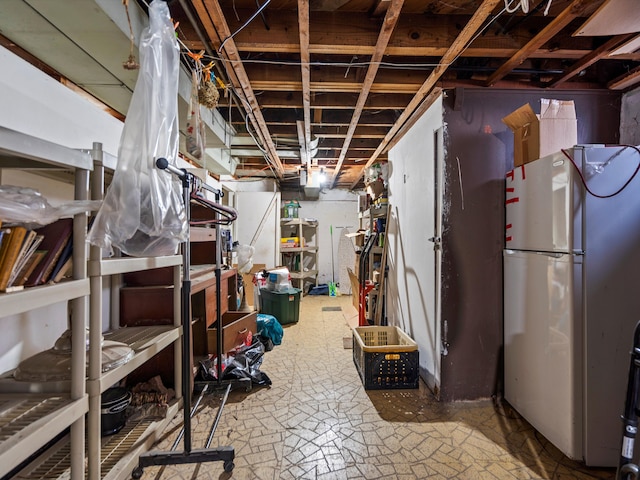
(375, 188)
(358, 237)
(536, 136)
(558, 125)
(526, 134)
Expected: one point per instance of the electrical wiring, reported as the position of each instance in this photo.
(188, 54)
(389, 65)
(584, 182)
(524, 4)
(350, 64)
(478, 33)
(257, 12)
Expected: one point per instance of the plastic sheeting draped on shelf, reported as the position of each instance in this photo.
(28, 207)
(143, 212)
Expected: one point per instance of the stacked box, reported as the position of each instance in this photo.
(290, 242)
(385, 358)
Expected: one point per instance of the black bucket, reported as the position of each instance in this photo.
(113, 411)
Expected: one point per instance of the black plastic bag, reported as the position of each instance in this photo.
(244, 364)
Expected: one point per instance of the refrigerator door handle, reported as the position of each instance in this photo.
(552, 254)
(546, 254)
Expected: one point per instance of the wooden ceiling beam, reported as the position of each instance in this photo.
(414, 35)
(291, 125)
(366, 143)
(305, 71)
(422, 51)
(327, 131)
(625, 81)
(599, 53)
(330, 117)
(388, 25)
(410, 87)
(425, 93)
(336, 101)
(219, 35)
(576, 9)
(380, 8)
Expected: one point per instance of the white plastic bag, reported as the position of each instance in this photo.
(143, 213)
(245, 257)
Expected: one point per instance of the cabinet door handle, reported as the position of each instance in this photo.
(243, 331)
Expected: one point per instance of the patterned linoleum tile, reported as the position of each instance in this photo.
(317, 422)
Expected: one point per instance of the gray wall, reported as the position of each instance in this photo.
(629, 118)
(479, 153)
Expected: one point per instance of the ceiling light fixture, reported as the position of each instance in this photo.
(303, 176)
(322, 177)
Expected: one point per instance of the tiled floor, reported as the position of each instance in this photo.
(317, 422)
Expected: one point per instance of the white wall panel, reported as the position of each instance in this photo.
(411, 285)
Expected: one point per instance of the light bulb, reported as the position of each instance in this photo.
(322, 177)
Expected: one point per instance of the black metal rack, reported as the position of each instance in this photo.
(225, 454)
(627, 470)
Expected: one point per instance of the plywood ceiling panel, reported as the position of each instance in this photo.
(614, 17)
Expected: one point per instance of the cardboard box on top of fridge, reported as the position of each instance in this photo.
(535, 136)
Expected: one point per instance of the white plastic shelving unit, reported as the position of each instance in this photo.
(115, 456)
(294, 257)
(29, 421)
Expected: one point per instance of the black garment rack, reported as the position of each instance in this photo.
(225, 454)
(627, 470)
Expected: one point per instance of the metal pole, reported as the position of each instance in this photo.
(185, 177)
(627, 470)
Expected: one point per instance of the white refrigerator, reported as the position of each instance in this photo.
(572, 295)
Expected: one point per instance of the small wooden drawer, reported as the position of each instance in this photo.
(236, 326)
(210, 299)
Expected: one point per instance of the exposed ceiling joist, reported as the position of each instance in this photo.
(470, 29)
(627, 80)
(431, 36)
(601, 52)
(218, 32)
(314, 73)
(305, 61)
(573, 11)
(390, 20)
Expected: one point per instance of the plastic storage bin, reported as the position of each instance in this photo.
(385, 358)
(284, 305)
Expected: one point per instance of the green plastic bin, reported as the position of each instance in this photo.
(285, 305)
